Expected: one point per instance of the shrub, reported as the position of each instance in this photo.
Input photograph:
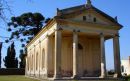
(126, 78)
(111, 72)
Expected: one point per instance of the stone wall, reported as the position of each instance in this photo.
(12, 71)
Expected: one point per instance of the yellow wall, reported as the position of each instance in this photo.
(88, 57)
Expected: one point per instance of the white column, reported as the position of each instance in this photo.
(57, 56)
(29, 65)
(103, 59)
(39, 59)
(75, 52)
(34, 63)
(117, 63)
(47, 55)
(26, 67)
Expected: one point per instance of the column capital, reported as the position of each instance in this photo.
(58, 29)
(76, 31)
(39, 41)
(102, 34)
(47, 35)
(117, 35)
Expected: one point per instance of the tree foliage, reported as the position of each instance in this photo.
(22, 56)
(10, 60)
(26, 26)
(4, 8)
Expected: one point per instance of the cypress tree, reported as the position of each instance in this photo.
(22, 58)
(10, 60)
(7, 58)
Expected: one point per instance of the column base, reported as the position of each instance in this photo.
(46, 76)
(102, 76)
(76, 77)
(43, 76)
(116, 75)
(57, 76)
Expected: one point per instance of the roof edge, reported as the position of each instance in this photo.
(39, 33)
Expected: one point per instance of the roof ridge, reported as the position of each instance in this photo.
(73, 7)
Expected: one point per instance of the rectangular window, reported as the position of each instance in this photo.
(94, 19)
(84, 18)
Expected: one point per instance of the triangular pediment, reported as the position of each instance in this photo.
(92, 17)
(88, 14)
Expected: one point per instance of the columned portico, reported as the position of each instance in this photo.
(103, 59)
(75, 53)
(58, 49)
(72, 46)
(57, 56)
(117, 62)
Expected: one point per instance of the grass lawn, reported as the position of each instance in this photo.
(15, 78)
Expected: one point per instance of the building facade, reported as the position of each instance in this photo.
(125, 66)
(72, 45)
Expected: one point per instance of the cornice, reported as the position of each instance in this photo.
(44, 29)
(91, 24)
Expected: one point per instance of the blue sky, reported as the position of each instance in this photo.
(120, 8)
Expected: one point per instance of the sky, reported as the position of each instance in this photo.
(120, 8)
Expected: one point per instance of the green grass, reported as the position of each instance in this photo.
(15, 78)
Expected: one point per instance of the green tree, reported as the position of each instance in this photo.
(0, 52)
(26, 26)
(10, 60)
(22, 56)
(4, 8)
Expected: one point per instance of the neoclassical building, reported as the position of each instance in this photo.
(72, 45)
